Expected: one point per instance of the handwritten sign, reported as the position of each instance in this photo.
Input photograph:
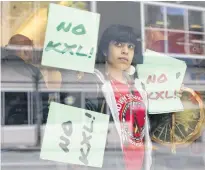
(162, 81)
(71, 38)
(74, 135)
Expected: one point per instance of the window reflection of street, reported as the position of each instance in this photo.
(16, 108)
(175, 18)
(155, 40)
(197, 44)
(178, 32)
(154, 16)
(176, 42)
(174, 30)
(196, 19)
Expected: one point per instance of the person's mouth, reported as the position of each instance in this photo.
(124, 59)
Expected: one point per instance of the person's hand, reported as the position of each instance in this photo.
(179, 93)
(193, 99)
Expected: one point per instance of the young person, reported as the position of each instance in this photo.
(124, 94)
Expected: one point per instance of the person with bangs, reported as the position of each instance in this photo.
(124, 94)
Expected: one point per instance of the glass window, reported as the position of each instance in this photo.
(69, 98)
(175, 18)
(198, 77)
(196, 43)
(177, 43)
(154, 16)
(18, 16)
(16, 108)
(195, 21)
(155, 40)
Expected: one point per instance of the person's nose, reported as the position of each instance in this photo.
(125, 49)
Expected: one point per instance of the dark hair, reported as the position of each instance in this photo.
(119, 33)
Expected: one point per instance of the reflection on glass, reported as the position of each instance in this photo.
(22, 17)
(16, 108)
(197, 44)
(2, 110)
(71, 98)
(195, 21)
(45, 102)
(154, 16)
(155, 40)
(176, 43)
(175, 18)
(44, 107)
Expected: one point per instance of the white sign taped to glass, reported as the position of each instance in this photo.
(163, 77)
(71, 39)
(74, 135)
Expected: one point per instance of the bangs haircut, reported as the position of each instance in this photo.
(122, 34)
(119, 33)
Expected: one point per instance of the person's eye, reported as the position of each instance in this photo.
(131, 46)
(118, 44)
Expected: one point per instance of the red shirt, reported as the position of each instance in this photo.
(132, 116)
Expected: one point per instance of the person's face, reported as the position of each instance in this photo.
(120, 54)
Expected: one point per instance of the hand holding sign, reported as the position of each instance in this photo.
(71, 39)
(74, 135)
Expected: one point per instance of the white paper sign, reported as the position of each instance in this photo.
(162, 77)
(74, 135)
(71, 39)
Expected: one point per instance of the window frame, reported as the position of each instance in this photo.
(186, 7)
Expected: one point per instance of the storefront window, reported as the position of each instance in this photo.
(196, 42)
(16, 108)
(177, 42)
(195, 20)
(154, 16)
(29, 18)
(181, 35)
(175, 18)
(155, 40)
(174, 30)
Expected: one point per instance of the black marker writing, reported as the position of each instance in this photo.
(83, 157)
(68, 130)
(91, 125)
(86, 140)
